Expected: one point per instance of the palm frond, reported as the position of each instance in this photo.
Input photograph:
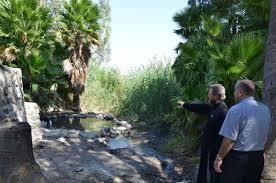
(81, 17)
(9, 54)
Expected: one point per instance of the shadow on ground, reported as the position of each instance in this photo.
(74, 160)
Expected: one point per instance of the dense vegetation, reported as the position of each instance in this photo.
(43, 46)
(223, 41)
(147, 94)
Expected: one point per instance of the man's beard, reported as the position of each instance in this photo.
(212, 102)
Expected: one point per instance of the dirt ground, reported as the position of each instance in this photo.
(78, 160)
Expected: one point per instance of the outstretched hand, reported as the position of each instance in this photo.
(180, 103)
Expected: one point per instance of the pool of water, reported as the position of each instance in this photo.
(88, 124)
(118, 143)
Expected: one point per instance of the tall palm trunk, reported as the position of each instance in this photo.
(270, 95)
(79, 60)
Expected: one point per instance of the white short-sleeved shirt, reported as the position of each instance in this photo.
(248, 123)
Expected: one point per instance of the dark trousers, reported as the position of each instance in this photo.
(207, 158)
(214, 176)
(242, 167)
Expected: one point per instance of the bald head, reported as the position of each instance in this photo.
(245, 88)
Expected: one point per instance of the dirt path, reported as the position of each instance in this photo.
(76, 159)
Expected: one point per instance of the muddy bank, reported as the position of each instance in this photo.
(72, 158)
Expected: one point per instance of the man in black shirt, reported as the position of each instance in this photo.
(216, 111)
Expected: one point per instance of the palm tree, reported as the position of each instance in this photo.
(242, 57)
(79, 30)
(270, 93)
(27, 41)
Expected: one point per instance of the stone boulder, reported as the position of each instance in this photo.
(33, 118)
(17, 163)
(11, 95)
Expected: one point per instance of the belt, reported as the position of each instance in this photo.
(247, 152)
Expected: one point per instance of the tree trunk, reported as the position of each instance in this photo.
(17, 163)
(76, 102)
(269, 175)
(79, 61)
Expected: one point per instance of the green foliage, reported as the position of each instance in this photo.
(32, 40)
(26, 27)
(224, 43)
(257, 13)
(47, 77)
(212, 26)
(104, 89)
(78, 28)
(149, 93)
(241, 58)
(181, 144)
(80, 17)
(24, 23)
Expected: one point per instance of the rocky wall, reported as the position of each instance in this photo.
(11, 95)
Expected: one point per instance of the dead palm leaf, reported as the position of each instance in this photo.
(9, 54)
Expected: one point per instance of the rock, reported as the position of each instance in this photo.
(123, 123)
(17, 162)
(33, 118)
(124, 127)
(73, 134)
(121, 129)
(90, 141)
(185, 181)
(100, 116)
(114, 132)
(80, 169)
(80, 115)
(102, 133)
(63, 141)
(128, 126)
(105, 132)
(55, 133)
(91, 115)
(11, 90)
(108, 117)
(117, 180)
(113, 135)
(88, 135)
(116, 121)
(102, 141)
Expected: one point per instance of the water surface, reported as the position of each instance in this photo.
(88, 124)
